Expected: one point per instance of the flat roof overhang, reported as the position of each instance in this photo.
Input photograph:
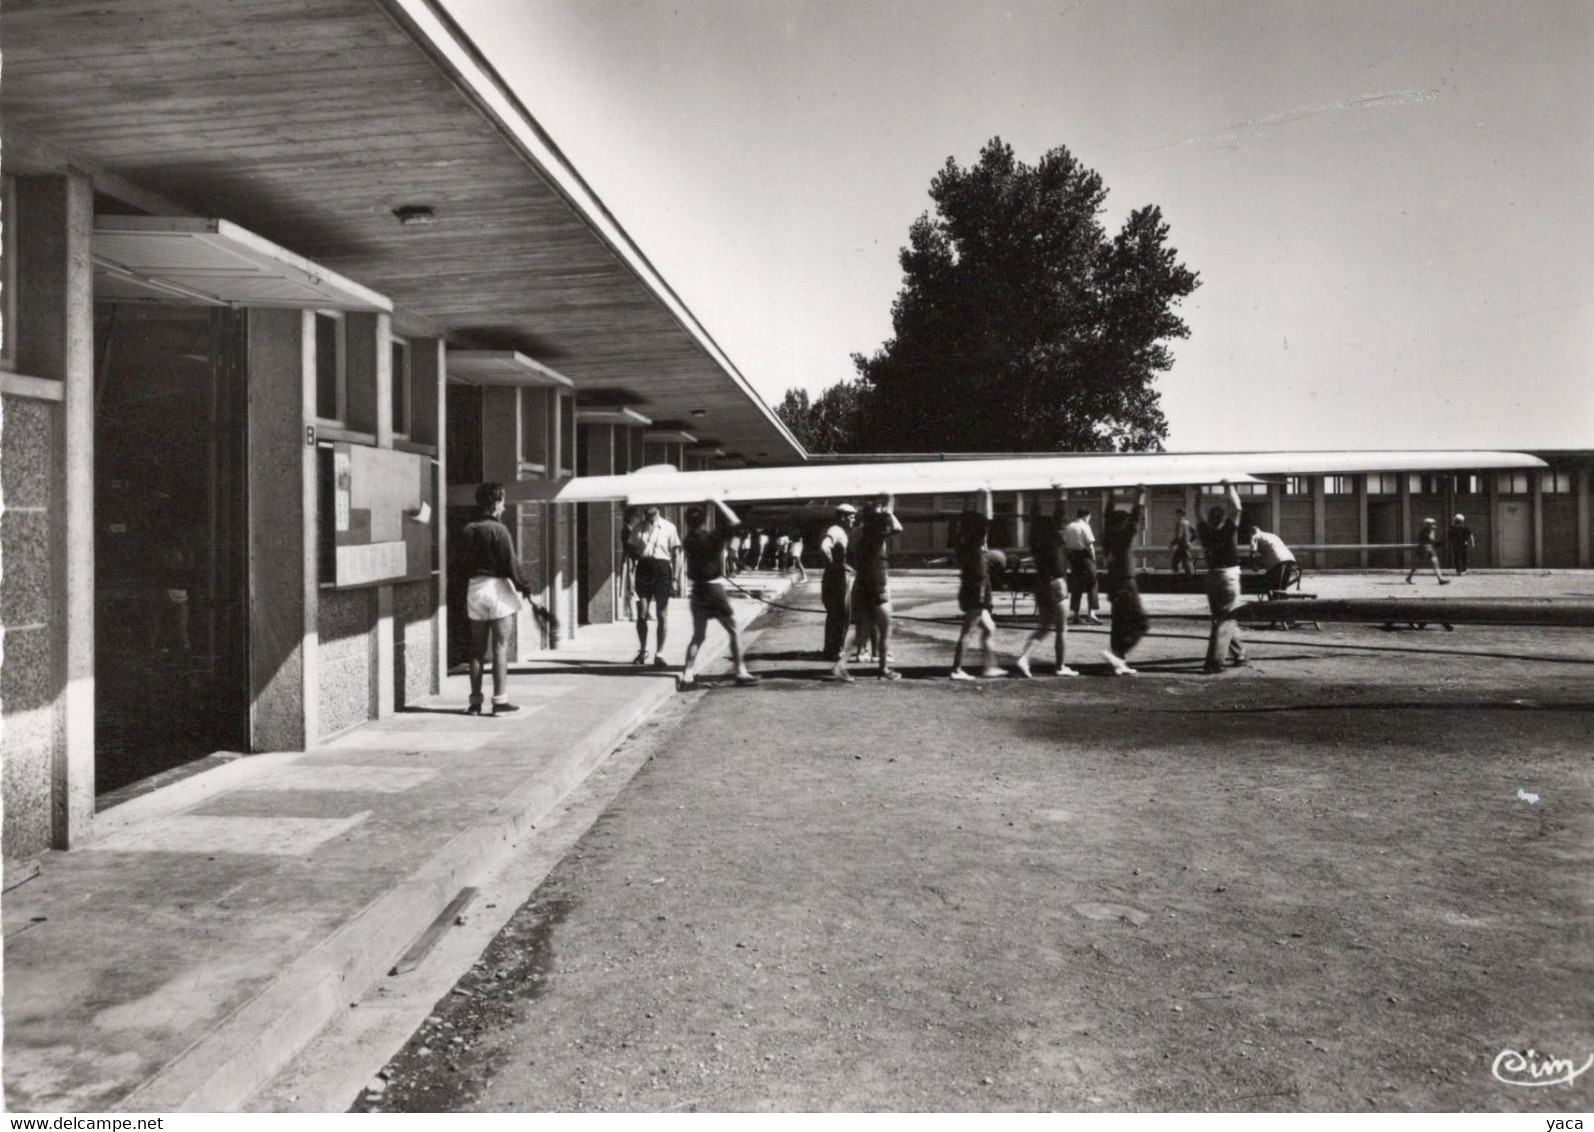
(309, 125)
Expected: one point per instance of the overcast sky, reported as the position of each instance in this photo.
(1390, 204)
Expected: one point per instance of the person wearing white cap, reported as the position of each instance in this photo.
(1461, 543)
(1427, 552)
(835, 585)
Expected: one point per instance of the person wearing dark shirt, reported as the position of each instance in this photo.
(1427, 553)
(835, 581)
(1221, 534)
(1129, 620)
(871, 591)
(628, 560)
(1051, 585)
(974, 592)
(705, 566)
(1462, 543)
(496, 582)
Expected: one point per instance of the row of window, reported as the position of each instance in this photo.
(1390, 483)
(332, 375)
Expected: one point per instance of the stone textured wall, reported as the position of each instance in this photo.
(345, 620)
(414, 651)
(29, 677)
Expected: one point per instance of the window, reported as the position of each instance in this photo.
(1555, 483)
(1512, 483)
(331, 367)
(1425, 485)
(1385, 484)
(8, 285)
(567, 434)
(1216, 489)
(1339, 485)
(1297, 485)
(1469, 483)
(534, 408)
(402, 396)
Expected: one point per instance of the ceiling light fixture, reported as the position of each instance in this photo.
(414, 214)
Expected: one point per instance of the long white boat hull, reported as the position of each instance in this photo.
(665, 485)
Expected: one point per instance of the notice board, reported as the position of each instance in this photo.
(378, 515)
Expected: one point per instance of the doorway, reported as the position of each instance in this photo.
(170, 566)
(1516, 533)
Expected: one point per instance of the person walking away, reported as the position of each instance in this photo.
(974, 593)
(871, 592)
(658, 575)
(1129, 620)
(835, 581)
(1183, 536)
(1051, 571)
(1079, 541)
(497, 581)
(1277, 559)
(704, 551)
(1427, 553)
(783, 552)
(1461, 544)
(1220, 535)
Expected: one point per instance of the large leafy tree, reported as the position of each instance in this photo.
(829, 423)
(1021, 324)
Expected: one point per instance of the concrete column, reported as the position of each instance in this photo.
(598, 444)
(1496, 543)
(283, 571)
(1406, 558)
(1538, 519)
(429, 377)
(1319, 521)
(1361, 519)
(55, 340)
(1583, 517)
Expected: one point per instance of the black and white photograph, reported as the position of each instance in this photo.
(796, 556)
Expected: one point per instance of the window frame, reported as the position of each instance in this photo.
(402, 392)
(341, 364)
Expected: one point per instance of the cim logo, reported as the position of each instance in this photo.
(1533, 1069)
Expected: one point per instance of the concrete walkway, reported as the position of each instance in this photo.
(217, 924)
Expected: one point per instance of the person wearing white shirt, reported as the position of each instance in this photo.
(658, 569)
(1079, 543)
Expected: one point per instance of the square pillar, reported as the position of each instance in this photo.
(55, 341)
(428, 425)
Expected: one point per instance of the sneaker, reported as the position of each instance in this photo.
(992, 672)
(746, 680)
(1093, 620)
(891, 674)
(842, 675)
(1118, 663)
(1075, 619)
(660, 662)
(1067, 671)
(504, 707)
(641, 657)
(685, 683)
(1444, 581)
(959, 674)
(1022, 664)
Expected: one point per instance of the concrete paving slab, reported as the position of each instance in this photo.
(217, 924)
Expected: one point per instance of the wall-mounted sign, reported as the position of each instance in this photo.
(375, 507)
